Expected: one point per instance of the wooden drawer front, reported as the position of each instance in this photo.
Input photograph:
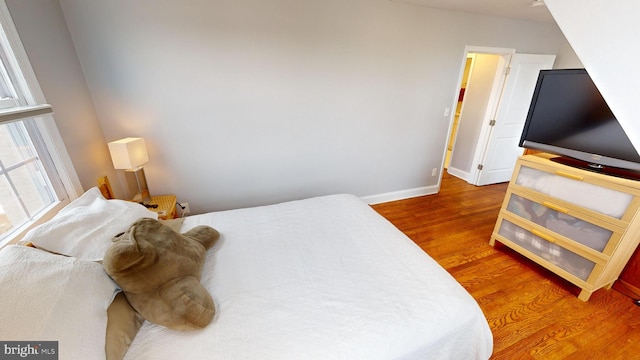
(559, 220)
(569, 261)
(571, 188)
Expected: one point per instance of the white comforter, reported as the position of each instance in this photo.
(323, 278)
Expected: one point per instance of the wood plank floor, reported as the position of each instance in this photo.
(533, 314)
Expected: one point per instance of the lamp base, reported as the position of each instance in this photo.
(137, 184)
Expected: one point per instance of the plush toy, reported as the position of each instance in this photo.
(159, 270)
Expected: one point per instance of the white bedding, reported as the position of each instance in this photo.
(322, 278)
(44, 298)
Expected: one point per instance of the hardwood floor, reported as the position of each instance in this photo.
(533, 313)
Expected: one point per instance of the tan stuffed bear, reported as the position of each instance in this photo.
(159, 272)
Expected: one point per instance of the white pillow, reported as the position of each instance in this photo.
(85, 227)
(48, 297)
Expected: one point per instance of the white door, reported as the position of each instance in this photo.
(500, 150)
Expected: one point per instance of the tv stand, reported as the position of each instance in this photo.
(579, 224)
(606, 170)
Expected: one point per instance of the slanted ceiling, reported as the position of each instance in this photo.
(604, 36)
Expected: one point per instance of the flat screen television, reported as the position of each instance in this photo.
(569, 117)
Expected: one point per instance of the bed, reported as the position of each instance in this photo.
(320, 278)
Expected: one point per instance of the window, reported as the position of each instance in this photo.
(36, 175)
(25, 189)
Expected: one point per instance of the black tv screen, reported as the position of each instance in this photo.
(568, 116)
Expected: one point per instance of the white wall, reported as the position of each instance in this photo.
(250, 102)
(43, 32)
(604, 34)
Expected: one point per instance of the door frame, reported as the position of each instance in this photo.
(492, 105)
(499, 81)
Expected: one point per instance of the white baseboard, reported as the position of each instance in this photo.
(400, 195)
(459, 173)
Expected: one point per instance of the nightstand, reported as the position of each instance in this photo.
(166, 206)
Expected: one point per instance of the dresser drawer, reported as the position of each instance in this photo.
(573, 189)
(558, 220)
(550, 252)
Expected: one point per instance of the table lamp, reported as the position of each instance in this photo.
(129, 154)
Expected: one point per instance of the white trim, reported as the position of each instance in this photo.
(401, 194)
(488, 50)
(26, 75)
(459, 173)
(23, 112)
(67, 173)
(491, 112)
(504, 52)
(467, 55)
(46, 125)
(8, 102)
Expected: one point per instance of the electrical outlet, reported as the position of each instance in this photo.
(434, 172)
(447, 111)
(185, 208)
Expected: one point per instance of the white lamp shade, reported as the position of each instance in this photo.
(128, 153)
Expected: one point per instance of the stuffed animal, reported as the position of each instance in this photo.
(159, 270)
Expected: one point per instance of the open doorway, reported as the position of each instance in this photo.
(479, 90)
(456, 116)
(493, 99)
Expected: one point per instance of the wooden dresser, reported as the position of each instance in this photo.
(579, 224)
